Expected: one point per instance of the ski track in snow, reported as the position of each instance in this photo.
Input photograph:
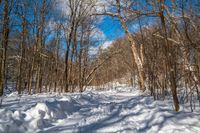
(93, 111)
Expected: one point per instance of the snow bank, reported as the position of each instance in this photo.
(38, 116)
(120, 109)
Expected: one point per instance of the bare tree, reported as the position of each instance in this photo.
(4, 46)
(137, 58)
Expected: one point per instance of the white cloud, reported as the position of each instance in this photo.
(94, 6)
(94, 50)
(51, 25)
(97, 34)
(106, 44)
(63, 7)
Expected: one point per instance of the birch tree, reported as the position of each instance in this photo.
(118, 4)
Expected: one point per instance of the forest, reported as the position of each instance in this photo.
(68, 47)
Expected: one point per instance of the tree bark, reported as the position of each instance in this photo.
(137, 58)
(170, 64)
(4, 46)
(22, 55)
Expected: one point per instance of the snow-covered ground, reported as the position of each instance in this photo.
(120, 110)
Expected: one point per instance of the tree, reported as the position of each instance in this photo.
(4, 46)
(137, 57)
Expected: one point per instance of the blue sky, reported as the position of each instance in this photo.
(111, 27)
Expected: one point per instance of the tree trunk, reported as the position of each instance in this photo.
(169, 60)
(22, 54)
(136, 56)
(4, 47)
(137, 59)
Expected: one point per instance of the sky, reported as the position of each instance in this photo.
(111, 27)
(111, 30)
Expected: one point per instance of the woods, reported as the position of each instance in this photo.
(46, 46)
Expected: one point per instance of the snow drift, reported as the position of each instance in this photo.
(115, 110)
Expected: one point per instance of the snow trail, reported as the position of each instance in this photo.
(94, 112)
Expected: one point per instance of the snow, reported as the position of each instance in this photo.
(122, 109)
